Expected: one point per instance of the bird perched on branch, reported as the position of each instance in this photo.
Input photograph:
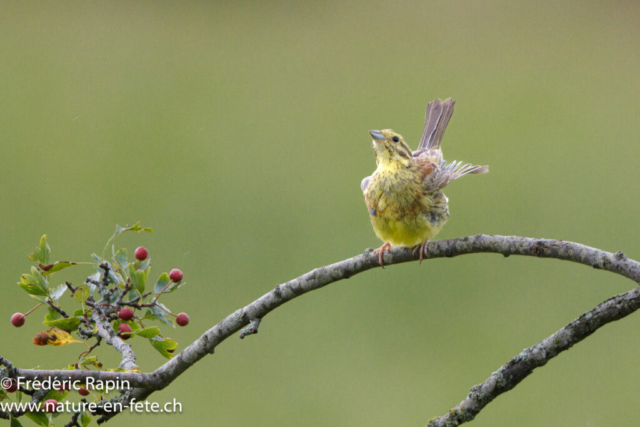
(404, 195)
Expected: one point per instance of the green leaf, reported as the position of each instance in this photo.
(34, 290)
(134, 227)
(56, 266)
(71, 324)
(165, 346)
(86, 362)
(35, 280)
(149, 332)
(156, 313)
(35, 285)
(84, 419)
(138, 278)
(82, 293)
(144, 264)
(161, 283)
(52, 315)
(39, 418)
(15, 422)
(42, 253)
(56, 293)
(121, 258)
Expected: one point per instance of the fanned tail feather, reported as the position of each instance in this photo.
(438, 115)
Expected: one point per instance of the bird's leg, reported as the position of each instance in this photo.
(380, 252)
(423, 248)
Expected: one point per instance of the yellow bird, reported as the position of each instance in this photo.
(404, 195)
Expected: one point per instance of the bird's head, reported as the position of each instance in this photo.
(390, 146)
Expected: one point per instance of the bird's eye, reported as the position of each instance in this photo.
(395, 139)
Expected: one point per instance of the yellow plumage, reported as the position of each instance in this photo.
(404, 197)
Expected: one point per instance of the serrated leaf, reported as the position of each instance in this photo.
(38, 417)
(134, 227)
(82, 293)
(163, 281)
(34, 283)
(67, 324)
(156, 313)
(121, 258)
(165, 346)
(149, 332)
(57, 292)
(56, 266)
(42, 252)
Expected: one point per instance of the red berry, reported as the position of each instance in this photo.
(51, 406)
(83, 391)
(13, 387)
(17, 320)
(176, 275)
(124, 331)
(141, 253)
(126, 314)
(182, 319)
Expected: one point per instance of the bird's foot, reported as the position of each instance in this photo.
(423, 248)
(380, 252)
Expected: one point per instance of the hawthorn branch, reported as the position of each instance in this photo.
(505, 245)
(503, 380)
(106, 332)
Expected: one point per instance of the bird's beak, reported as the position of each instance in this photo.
(376, 134)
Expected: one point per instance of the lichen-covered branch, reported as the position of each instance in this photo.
(501, 381)
(320, 277)
(518, 368)
(109, 336)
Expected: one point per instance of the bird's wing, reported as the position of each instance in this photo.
(447, 172)
(365, 183)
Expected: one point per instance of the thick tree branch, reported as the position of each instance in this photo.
(518, 368)
(503, 380)
(320, 277)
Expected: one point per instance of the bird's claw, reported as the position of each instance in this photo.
(424, 250)
(380, 252)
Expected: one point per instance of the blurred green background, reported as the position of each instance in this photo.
(238, 130)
